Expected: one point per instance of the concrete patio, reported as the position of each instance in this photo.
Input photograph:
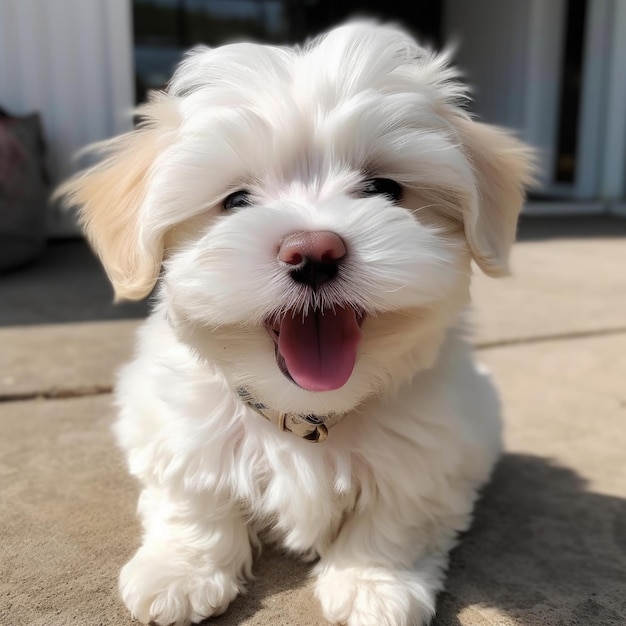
(548, 544)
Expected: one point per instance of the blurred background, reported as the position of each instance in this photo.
(553, 71)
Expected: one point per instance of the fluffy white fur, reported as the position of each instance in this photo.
(382, 501)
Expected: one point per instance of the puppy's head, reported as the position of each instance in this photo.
(312, 212)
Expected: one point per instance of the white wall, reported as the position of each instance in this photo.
(70, 60)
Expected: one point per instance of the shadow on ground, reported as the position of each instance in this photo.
(543, 551)
(66, 284)
(539, 228)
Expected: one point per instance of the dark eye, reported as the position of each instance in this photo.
(382, 187)
(237, 199)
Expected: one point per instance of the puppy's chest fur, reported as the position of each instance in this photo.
(298, 508)
(182, 424)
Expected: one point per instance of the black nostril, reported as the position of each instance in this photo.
(314, 273)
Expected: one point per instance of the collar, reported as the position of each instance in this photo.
(308, 426)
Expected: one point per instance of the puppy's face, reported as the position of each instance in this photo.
(314, 212)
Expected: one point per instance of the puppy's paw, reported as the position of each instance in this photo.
(375, 596)
(165, 589)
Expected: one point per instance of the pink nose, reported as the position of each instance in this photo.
(318, 246)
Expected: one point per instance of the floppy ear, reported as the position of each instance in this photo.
(111, 194)
(502, 167)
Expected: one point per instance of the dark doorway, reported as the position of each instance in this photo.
(164, 29)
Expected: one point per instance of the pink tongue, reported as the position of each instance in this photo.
(320, 349)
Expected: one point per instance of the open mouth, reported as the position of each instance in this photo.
(317, 349)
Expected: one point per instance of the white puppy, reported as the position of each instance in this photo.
(310, 215)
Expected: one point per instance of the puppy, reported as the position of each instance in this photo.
(310, 216)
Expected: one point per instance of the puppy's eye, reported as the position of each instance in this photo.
(382, 187)
(236, 200)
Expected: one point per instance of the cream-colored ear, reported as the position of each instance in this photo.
(503, 167)
(110, 196)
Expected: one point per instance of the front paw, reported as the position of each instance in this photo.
(375, 596)
(169, 589)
